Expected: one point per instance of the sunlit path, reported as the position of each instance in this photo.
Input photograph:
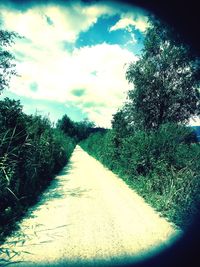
(87, 214)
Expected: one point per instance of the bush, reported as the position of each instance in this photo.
(163, 166)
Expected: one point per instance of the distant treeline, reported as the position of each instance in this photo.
(77, 130)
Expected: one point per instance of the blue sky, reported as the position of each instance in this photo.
(72, 59)
(100, 33)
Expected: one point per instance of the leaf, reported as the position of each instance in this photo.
(12, 193)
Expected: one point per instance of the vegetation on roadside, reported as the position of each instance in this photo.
(31, 153)
(149, 144)
(162, 167)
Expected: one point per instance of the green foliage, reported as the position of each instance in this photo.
(67, 126)
(166, 81)
(121, 130)
(100, 146)
(143, 149)
(84, 129)
(175, 193)
(31, 153)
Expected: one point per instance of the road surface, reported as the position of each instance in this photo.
(87, 215)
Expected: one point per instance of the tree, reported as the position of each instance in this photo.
(84, 128)
(77, 130)
(165, 78)
(7, 67)
(120, 127)
(67, 126)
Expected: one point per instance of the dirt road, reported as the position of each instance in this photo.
(87, 215)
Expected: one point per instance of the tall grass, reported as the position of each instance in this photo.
(31, 153)
(162, 166)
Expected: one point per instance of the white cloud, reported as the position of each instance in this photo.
(138, 21)
(99, 69)
(67, 21)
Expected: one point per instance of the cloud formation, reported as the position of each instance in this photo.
(140, 23)
(52, 68)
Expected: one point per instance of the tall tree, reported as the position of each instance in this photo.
(165, 78)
